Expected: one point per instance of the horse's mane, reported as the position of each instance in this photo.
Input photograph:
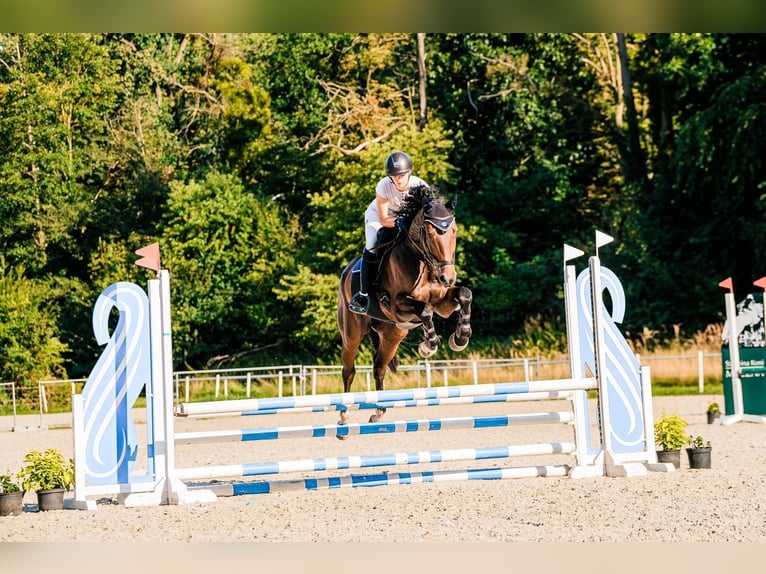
(413, 201)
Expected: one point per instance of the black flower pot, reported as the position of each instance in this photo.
(11, 503)
(671, 456)
(52, 499)
(699, 457)
(711, 417)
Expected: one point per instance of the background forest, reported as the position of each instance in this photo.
(250, 158)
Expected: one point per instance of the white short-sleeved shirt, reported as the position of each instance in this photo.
(388, 191)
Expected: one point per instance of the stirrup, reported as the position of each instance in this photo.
(359, 303)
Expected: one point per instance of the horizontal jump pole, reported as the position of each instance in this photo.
(335, 430)
(538, 396)
(383, 479)
(365, 461)
(377, 397)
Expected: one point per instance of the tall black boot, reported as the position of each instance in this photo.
(360, 302)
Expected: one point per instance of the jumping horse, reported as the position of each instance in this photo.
(416, 278)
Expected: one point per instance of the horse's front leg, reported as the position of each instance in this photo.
(459, 339)
(430, 342)
(457, 298)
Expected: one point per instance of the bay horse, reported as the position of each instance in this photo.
(416, 278)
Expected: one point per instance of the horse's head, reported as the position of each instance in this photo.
(433, 232)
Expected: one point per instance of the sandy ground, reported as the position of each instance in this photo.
(724, 504)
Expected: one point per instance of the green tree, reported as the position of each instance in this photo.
(56, 95)
(702, 218)
(226, 250)
(30, 349)
(293, 69)
(529, 160)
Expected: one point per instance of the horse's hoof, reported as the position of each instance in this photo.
(425, 351)
(453, 343)
(379, 412)
(341, 436)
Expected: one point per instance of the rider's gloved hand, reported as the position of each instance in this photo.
(401, 224)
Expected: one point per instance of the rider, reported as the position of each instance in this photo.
(382, 212)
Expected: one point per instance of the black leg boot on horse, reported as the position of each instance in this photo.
(360, 302)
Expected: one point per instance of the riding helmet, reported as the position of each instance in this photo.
(397, 163)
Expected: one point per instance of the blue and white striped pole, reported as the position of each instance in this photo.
(365, 461)
(384, 479)
(334, 430)
(376, 397)
(539, 396)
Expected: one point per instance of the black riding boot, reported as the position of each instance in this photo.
(360, 302)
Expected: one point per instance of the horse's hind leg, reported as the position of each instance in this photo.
(352, 328)
(390, 338)
(348, 371)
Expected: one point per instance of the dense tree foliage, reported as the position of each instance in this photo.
(251, 158)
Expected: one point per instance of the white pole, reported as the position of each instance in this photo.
(597, 301)
(736, 381)
(580, 400)
(162, 374)
(40, 401)
(13, 399)
(701, 371)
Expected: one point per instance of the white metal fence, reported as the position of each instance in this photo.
(298, 380)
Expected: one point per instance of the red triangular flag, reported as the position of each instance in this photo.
(727, 284)
(150, 257)
(760, 283)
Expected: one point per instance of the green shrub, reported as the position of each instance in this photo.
(46, 471)
(670, 432)
(697, 442)
(7, 484)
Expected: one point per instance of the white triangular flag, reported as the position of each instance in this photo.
(602, 239)
(571, 252)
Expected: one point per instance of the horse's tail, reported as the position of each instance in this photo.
(393, 364)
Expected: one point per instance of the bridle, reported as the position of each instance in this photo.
(442, 225)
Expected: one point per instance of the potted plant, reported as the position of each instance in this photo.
(10, 496)
(699, 452)
(49, 475)
(670, 436)
(713, 412)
